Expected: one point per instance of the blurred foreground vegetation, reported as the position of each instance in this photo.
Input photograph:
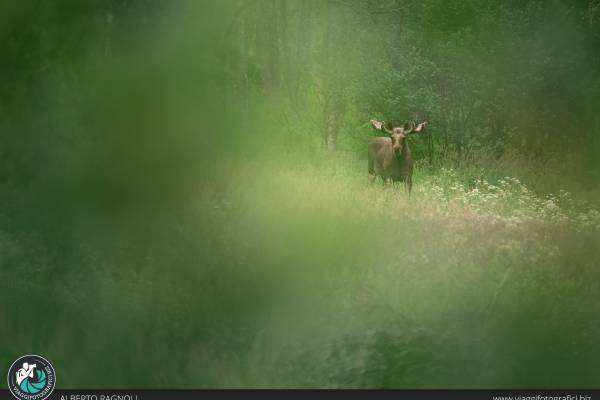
(185, 201)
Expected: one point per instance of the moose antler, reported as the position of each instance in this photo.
(411, 127)
(414, 128)
(379, 125)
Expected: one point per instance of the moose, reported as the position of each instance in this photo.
(389, 157)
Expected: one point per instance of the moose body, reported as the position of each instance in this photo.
(390, 157)
(384, 162)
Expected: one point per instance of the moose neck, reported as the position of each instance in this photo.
(404, 152)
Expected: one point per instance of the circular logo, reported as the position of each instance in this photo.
(31, 377)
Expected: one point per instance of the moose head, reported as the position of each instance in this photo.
(399, 133)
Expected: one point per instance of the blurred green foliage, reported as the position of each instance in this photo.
(185, 203)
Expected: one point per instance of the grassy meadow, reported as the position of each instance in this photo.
(316, 277)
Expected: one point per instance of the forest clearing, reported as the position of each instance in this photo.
(187, 201)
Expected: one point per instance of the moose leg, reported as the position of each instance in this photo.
(372, 175)
(408, 185)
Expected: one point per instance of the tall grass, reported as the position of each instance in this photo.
(314, 277)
